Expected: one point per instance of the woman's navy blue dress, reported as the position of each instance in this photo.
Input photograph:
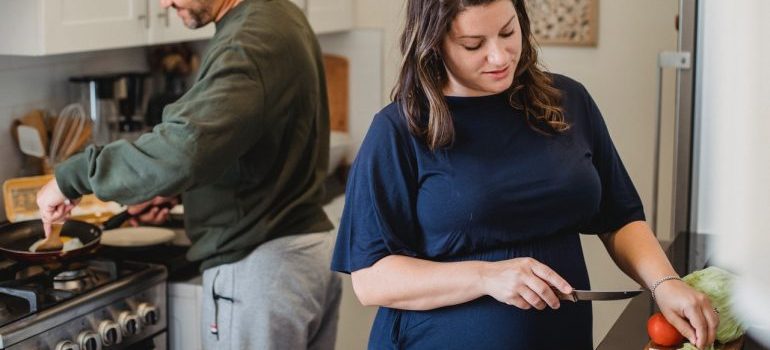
(501, 191)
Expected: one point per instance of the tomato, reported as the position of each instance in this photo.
(661, 332)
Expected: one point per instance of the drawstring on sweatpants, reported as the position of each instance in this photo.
(214, 325)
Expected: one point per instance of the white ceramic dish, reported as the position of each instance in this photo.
(177, 210)
(136, 236)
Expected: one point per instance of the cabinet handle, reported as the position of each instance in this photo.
(164, 16)
(145, 17)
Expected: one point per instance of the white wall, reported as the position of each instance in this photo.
(733, 164)
(27, 83)
(621, 74)
(388, 17)
(363, 49)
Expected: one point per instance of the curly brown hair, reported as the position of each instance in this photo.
(423, 75)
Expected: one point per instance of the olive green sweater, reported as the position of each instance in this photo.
(247, 146)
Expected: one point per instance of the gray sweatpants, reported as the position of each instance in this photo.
(281, 296)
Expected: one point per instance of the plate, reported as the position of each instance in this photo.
(136, 236)
(177, 210)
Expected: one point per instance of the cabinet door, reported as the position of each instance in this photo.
(301, 4)
(83, 25)
(328, 16)
(167, 27)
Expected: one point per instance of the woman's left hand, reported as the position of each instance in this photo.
(689, 311)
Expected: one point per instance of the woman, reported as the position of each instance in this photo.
(466, 198)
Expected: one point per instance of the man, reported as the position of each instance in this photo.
(247, 147)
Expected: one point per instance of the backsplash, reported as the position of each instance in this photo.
(41, 82)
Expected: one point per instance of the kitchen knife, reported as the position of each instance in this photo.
(578, 295)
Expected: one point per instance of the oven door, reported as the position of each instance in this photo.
(156, 342)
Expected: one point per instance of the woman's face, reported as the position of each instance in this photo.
(482, 49)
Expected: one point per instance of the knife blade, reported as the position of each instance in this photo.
(578, 295)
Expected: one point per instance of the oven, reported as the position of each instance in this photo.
(83, 305)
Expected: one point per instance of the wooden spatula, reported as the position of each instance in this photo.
(53, 242)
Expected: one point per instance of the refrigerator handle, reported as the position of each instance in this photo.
(679, 60)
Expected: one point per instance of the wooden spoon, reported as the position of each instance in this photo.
(53, 242)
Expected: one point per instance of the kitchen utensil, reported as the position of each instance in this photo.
(16, 238)
(30, 142)
(579, 295)
(70, 126)
(53, 242)
(79, 143)
(36, 119)
(31, 134)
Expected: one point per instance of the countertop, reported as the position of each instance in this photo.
(630, 330)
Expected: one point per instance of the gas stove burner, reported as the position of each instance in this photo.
(70, 275)
(75, 280)
(30, 271)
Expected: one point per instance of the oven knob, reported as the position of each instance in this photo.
(149, 314)
(89, 341)
(129, 323)
(67, 345)
(110, 332)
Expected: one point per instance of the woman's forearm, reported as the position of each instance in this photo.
(637, 252)
(413, 284)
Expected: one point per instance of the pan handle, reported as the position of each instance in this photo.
(117, 220)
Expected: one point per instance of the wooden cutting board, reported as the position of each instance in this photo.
(736, 344)
(20, 199)
(337, 82)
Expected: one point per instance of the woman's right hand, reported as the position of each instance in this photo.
(524, 283)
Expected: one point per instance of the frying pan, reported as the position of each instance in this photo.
(16, 238)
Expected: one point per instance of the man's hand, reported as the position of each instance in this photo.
(156, 215)
(53, 205)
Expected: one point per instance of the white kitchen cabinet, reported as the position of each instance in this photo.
(328, 16)
(46, 27)
(301, 3)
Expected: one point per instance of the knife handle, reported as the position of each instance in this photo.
(570, 297)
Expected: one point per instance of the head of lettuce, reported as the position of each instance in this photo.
(717, 284)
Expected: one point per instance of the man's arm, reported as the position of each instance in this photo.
(202, 134)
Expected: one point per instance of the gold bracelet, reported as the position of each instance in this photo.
(658, 282)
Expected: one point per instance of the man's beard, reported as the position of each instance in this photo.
(197, 19)
(199, 14)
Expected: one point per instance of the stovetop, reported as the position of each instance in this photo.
(26, 289)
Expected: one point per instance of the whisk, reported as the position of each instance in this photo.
(71, 131)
